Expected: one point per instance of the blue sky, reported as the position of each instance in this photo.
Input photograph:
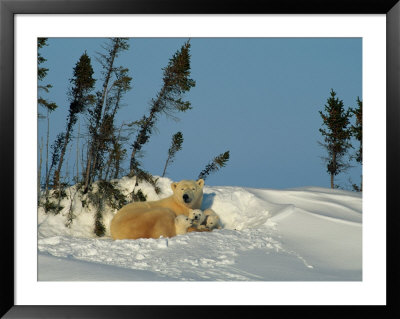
(259, 98)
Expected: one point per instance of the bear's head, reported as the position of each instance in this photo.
(182, 223)
(212, 222)
(189, 193)
(197, 216)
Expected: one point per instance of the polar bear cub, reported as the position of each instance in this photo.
(206, 221)
(212, 222)
(182, 223)
(197, 216)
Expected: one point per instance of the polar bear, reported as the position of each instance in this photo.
(182, 223)
(197, 216)
(207, 220)
(152, 224)
(212, 222)
(157, 218)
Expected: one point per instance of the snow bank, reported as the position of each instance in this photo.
(305, 233)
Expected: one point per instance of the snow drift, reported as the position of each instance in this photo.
(301, 234)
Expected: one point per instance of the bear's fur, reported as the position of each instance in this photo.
(157, 218)
(209, 212)
(152, 224)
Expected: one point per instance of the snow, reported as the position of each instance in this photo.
(300, 234)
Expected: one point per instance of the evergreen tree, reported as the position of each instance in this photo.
(49, 106)
(357, 133)
(217, 163)
(80, 97)
(336, 135)
(99, 115)
(176, 145)
(109, 141)
(176, 82)
(42, 73)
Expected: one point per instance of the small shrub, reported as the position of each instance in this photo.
(99, 228)
(139, 196)
(52, 207)
(107, 195)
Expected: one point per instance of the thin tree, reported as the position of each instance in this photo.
(99, 111)
(42, 72)
(80, 98)
(39, 173)
(176, 82)
(337, 134)
(107, 131)
(176, 145)
(77, 152)
(49, 106)
(217, 163)
(357, 133)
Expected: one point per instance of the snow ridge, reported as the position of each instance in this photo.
(306, 233)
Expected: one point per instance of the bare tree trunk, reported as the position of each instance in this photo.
(77, 151)
(47, 155)
(116, 169)
(87, 172)
(56, 178)
(165, 167)
(108, 166)
(118, 159)
(333, 172)
(39, 170)
(83, 161)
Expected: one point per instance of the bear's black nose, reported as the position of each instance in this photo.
(196, 217)
(186, 198)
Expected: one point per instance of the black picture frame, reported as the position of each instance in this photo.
(8, 8)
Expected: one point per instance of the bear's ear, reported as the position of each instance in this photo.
(200, 182)
(173, 186)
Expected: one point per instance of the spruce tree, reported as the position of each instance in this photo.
(217, 163)
(176, 82)
(99, 116)
(109, 141)
(357, 133)
(80, 98)
(176, 145)
(49, 106)
(337, 134)
(41, 74)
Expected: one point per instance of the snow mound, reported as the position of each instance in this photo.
(306, 233)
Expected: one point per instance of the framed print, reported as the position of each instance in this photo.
(238, 96)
